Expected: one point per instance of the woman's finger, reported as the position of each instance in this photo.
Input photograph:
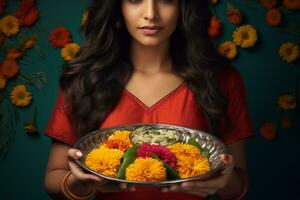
(79, 174)
(74, 153)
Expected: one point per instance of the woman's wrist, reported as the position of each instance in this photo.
(237, 186)
(75, 190)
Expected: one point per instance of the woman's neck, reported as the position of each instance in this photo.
(151, 59)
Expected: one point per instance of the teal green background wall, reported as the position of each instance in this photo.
(273, 166)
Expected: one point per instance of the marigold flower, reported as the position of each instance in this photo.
(234, 14)
(104, 160)
(84, 17)
(9, 68)
(2, 83)
(146, 169)
(27, 13)
(162, 152)
(13, 53)
(122, 145)
(268, 130)
(268, 3)
(245, 36)
(69, 51)
(291, 4)
(9, 25)
(180, 149)
(214, 29)
(20, 97)
(59, 37)
(285, 123)
(228, 49)
(28, 43)
(289, 52)
(188, 167)
(120, 135)
(273, 17)
(287, 102)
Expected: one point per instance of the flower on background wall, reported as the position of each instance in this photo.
(9, 25)
(245, 36)
(289, 52)
(228, 49)
(69, 51)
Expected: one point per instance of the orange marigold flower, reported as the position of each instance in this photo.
(188, 166)
(104, 160)
(13, 53)
(28, 43)
(268, 130)
(9, 68)
(146, 169)
(273, 17)
(214, 29)
(59, 37)
(122, 145)
(188, 150)
(269, 3)
(27, 12)
(287, 102)
(291, 4)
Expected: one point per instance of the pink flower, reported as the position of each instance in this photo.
(161, 151)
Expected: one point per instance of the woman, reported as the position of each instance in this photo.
(147, 61)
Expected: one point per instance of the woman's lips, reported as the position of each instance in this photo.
(150, 30)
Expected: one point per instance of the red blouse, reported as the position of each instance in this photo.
(178, 108)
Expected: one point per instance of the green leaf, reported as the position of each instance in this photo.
(128, 158)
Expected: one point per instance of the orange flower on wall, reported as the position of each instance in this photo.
(27, 13)
(287, 102)
(59, 37)
(234, 14)
(268, 130)
(13, 53)
(28, 43)
(291, 4)
(9, 25)
(214, 28)
(273, 17)
(269, 3)
(9, 68)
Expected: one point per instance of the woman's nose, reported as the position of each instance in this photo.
(150, 10)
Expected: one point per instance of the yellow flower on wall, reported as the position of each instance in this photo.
(287, 102)
(9, 25)
(228, 49)
(245, 36)
(20, 97)
(289, 52)
(70, 51)
(2, 83)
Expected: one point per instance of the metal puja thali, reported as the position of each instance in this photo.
(157, 134)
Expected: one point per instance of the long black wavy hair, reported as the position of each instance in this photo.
(93, 81)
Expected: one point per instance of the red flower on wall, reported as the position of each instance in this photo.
(291, 4)
(59, 37)
(269, 3)
(215, 27)
(273, 17)
(27, 13)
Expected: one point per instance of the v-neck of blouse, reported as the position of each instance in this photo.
(157, 103)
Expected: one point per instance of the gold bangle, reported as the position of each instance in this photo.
(68, 194)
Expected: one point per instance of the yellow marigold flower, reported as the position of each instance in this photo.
(105, 161)
(119, 135)
(70, 51)
(84, 17)
(188, 167)
(2, 83)
(287, 102)
(9, 25)
(20, 97)
(146, 169)
(227, 49)
(289, 52)
(187, 150)
(245, 36)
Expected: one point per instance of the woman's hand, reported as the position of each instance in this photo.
(204, 188)
(87, 182)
